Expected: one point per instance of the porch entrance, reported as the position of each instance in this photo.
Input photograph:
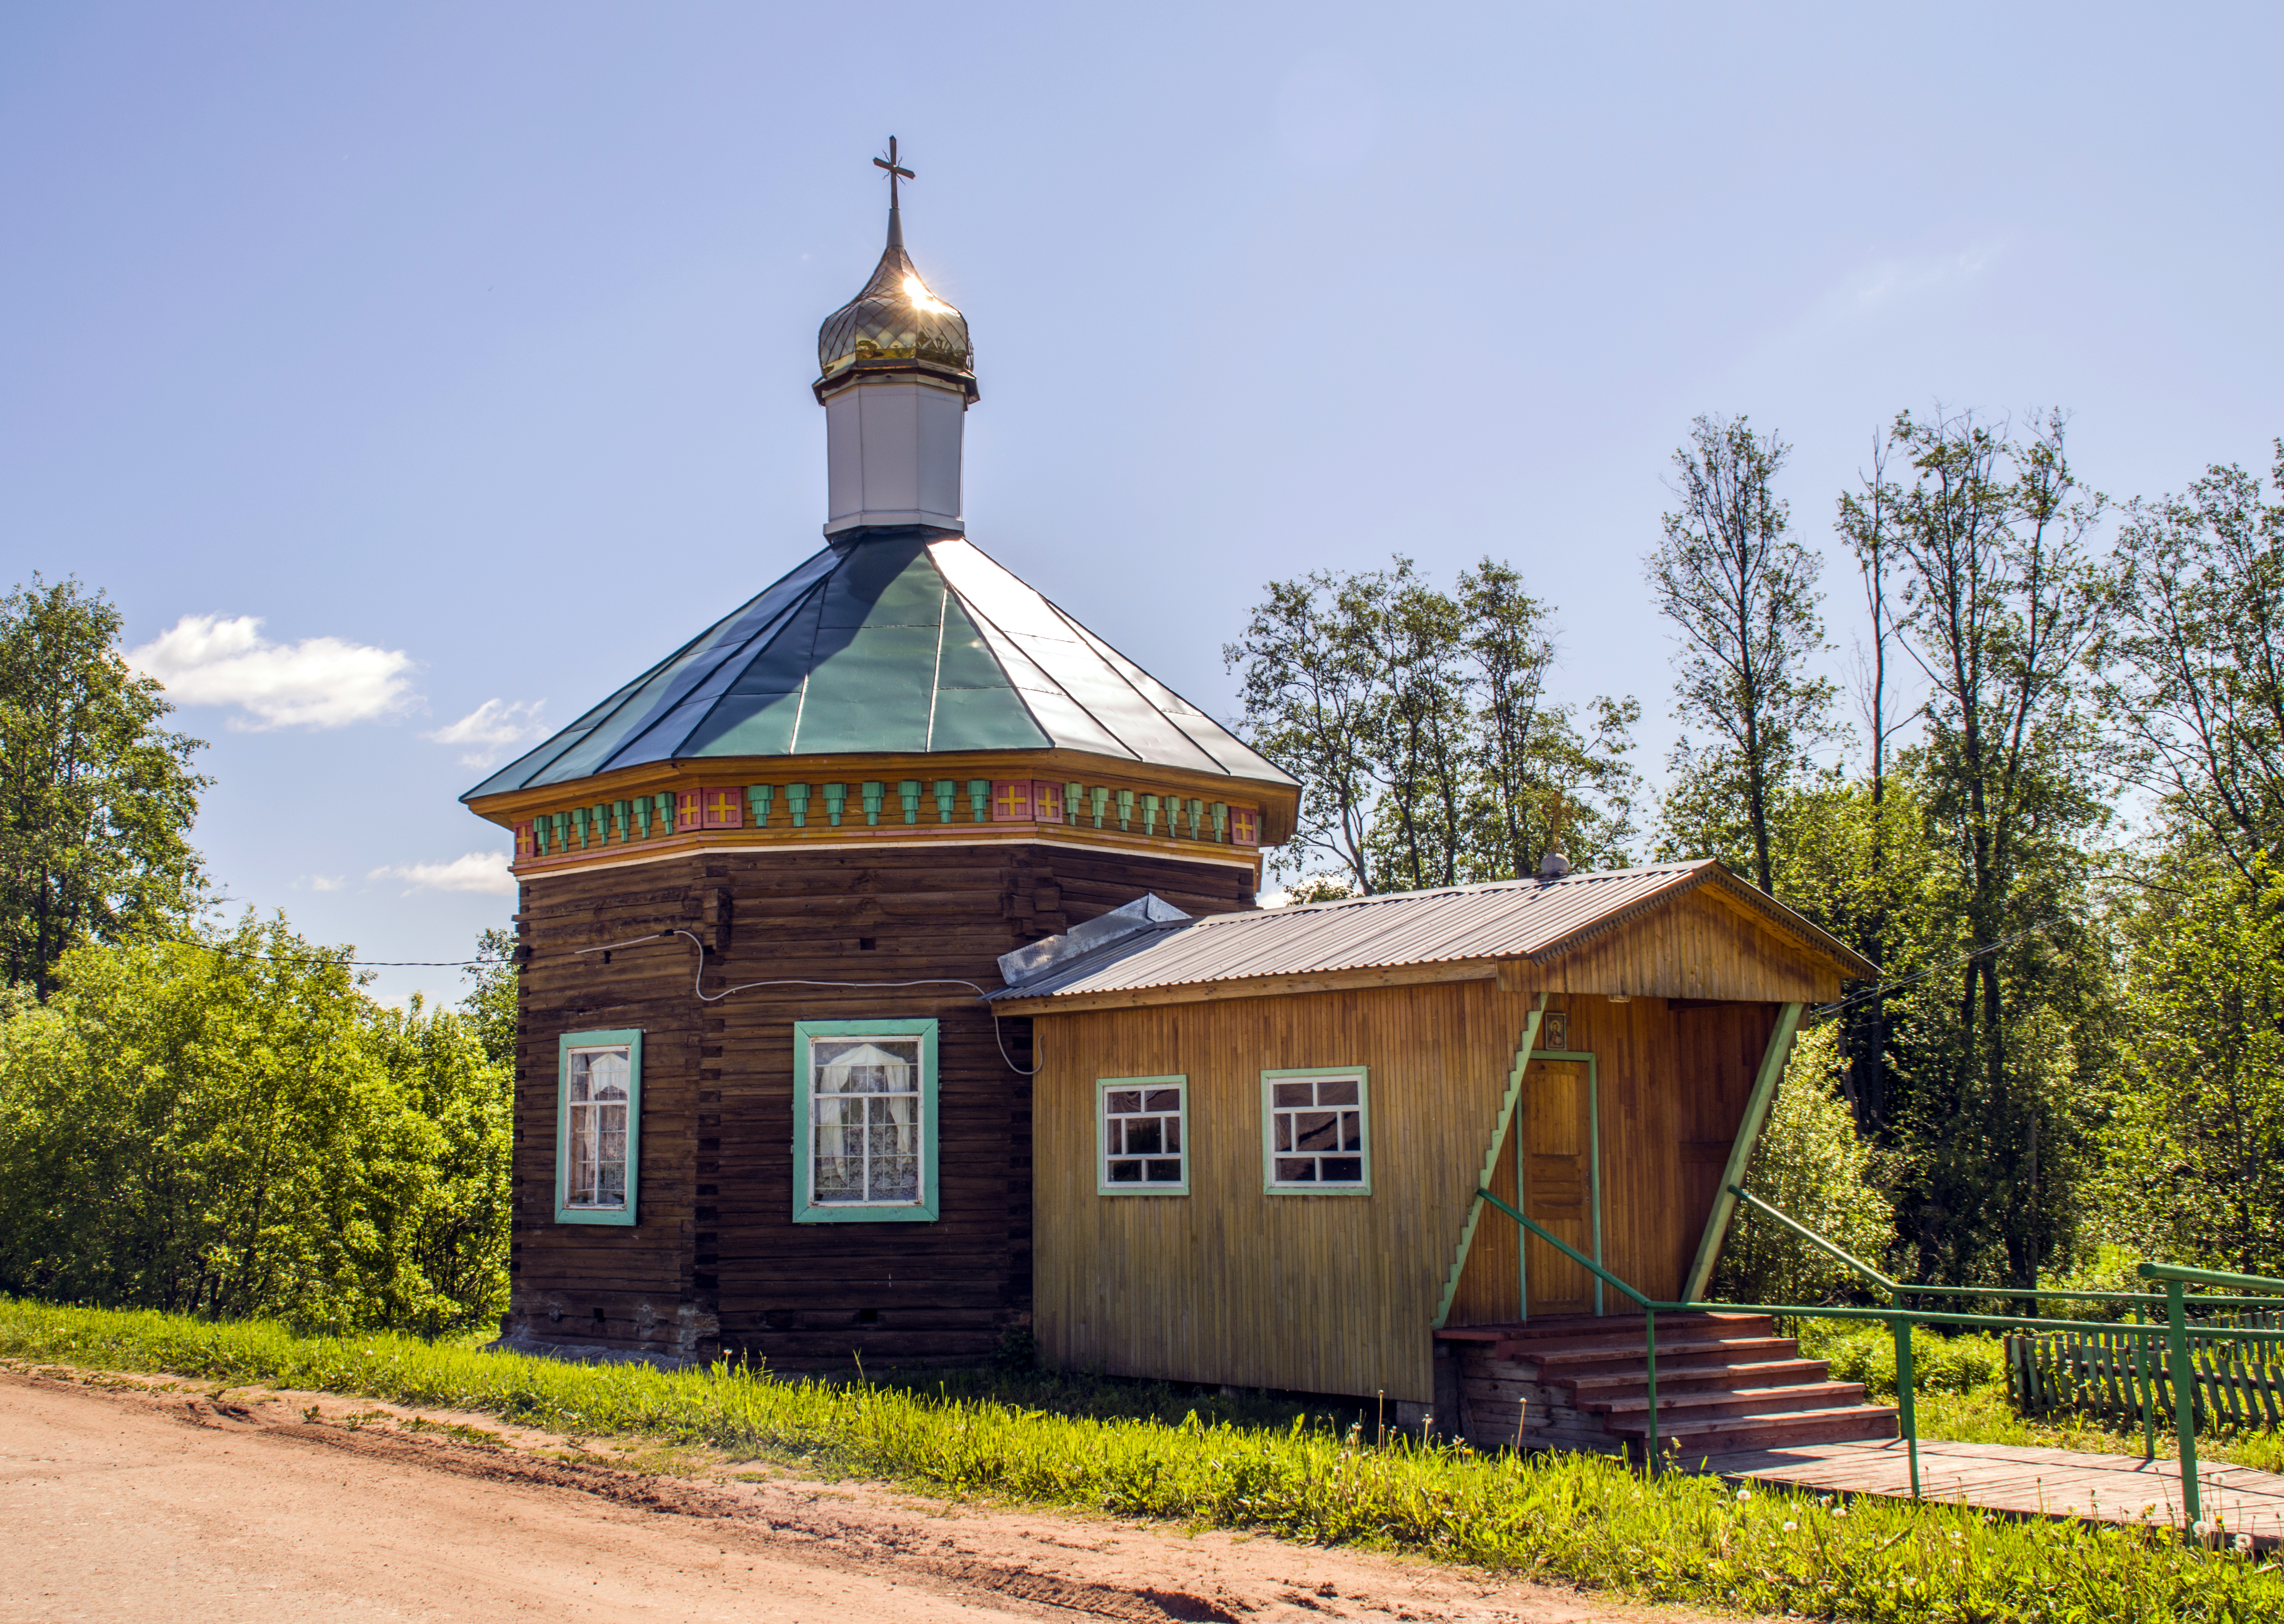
(1556, 1176)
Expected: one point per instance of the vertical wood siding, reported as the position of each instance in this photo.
(1322, 1293)
(1699, 946)
(1336, 1294)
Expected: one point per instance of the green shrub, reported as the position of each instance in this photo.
(1812, 1166)
(235, 1127)
(1939, 1363)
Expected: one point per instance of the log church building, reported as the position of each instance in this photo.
(894, 985)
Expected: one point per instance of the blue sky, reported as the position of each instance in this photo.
(466, 349)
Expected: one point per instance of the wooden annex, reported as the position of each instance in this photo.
(1596, 1048)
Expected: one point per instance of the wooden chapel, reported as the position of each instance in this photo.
(760, 1108)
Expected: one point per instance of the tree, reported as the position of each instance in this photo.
(1810, 1166)
(1417, 724)
(490, 1005)
(1541, 779)
(1422, 757)
(96, 797)
(2006, 615)
(2195, 1167)
(1314, 686)
(447, 1245)
(228, 1125)
(1742, 593)
(2199, 695)
(1865, 1037)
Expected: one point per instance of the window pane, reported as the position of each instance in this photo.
(1142, 1136)
(1125, 1172)
(1116, 1140)
(583, 1156)
(839, 1174)
(1298, 1170)
(896, 1178)
(1173, 1133)
(1337, 1091)
(1125, 1099)
(1294, 1093)
(1344, 1170)
(1351, 1131)
(872, 1065)
(902, 1109)
(1315, 1130)
(893, 1138)
(1284, 1131)
(1166, 1172)
(1163, 1099)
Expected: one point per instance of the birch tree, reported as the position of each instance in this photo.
(1741, 593)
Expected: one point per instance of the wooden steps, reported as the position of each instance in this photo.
(1724, 1383)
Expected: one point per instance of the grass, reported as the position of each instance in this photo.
(1583, 1520)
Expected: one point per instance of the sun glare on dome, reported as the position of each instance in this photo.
(916, 293)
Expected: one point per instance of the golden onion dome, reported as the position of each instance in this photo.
(895, 323)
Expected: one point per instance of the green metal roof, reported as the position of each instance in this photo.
(892, 641)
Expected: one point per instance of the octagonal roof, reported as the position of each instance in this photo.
(895, 641)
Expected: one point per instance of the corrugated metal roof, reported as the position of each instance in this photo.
(1518, 918)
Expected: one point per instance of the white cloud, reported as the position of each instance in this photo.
(491, 727)
(321, 882)
(317, 682)
(482, 872)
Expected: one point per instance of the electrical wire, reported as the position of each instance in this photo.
(1825, 1010)
(697, 985)
(318, 955)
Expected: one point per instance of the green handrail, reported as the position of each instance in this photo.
(1908, 1404)
(1814, 1239)
(2177, 1278)
(2172, 1272)
(1649, 1315)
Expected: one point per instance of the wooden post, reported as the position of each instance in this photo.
(1490, 1162)
(1748, 1134)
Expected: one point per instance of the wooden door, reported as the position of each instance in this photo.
(1558, 1186)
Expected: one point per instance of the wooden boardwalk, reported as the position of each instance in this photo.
(2022, 1481)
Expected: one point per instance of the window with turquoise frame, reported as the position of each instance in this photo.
(597, 1126)
(865, 1128)
(1315, 1131)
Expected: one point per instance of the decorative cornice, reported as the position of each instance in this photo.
(985, 835)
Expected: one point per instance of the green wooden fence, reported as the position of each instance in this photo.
(2115, 1372)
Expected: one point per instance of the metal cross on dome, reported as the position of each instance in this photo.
(894, 169)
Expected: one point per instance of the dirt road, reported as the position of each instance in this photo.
(158, 1502)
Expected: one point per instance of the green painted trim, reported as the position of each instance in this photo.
(1593, 1161)
(1741, 1154)
(1491, 1161)
(631, 1037)
(1269, 1185)
(804, 1137)
(1103, 1186)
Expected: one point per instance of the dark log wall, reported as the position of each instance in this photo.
(715, 1262)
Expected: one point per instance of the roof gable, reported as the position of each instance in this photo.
(1530, 924)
